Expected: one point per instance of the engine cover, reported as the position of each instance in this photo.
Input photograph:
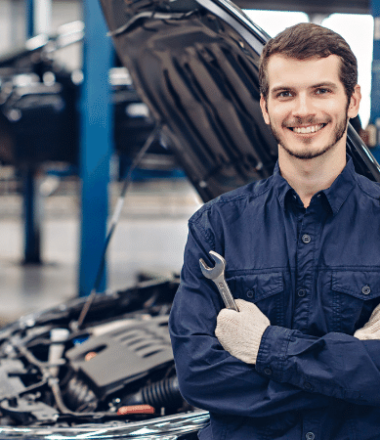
(118, 357)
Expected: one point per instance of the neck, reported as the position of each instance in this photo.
(309, 176)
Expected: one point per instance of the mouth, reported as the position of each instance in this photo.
(307, 129)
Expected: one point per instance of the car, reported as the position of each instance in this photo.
(105, 369)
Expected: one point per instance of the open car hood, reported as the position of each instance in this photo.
(195, 63)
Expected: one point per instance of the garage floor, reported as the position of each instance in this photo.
(150, 237)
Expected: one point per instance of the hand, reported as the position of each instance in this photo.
(240, 333)
(371, 329)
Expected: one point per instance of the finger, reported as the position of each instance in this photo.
(226, 320)
(246, 306)
(224, 328)
(252, 309)
(227, 314)
(376, 312)
(365, 336)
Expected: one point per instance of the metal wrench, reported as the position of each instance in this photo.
(216, 274)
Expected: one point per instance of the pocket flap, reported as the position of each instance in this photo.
(268, 284)
(256, 287)
(363, 285)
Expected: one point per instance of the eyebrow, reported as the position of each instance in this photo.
(328, 84)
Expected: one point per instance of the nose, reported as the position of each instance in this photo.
(303, 106)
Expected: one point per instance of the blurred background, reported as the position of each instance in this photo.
(71, 128)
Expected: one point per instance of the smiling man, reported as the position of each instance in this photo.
(302, 105)
(308, 104)
(301, 358)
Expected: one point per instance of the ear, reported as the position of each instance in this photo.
(263, 105)
(353, 108)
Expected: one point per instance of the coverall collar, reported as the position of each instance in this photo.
(335, 195)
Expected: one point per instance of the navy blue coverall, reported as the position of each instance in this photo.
(315, 273)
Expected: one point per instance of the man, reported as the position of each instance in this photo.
(301, 359)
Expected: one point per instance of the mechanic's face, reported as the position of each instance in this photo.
(307, 107)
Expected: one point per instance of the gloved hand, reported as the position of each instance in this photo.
(371, 329)
(240, 332)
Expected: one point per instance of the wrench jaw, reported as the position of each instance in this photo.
(220, 262)
(213, 272)
(216, 274)
(206, 271)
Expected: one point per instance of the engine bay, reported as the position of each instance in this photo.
(118, 366)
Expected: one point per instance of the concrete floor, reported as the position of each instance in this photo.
(151, 236)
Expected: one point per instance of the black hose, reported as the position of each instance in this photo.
(164, 393)
(79, 396)
(54, 386)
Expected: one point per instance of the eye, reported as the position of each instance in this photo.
(322, 91)
(284, 94)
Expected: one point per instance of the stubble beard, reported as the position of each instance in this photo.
(338, 133)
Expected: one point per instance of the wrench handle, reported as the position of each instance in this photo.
(226, 294)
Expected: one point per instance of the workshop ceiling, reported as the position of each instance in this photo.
(310, 6)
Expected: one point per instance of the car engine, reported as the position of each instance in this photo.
(117, 366)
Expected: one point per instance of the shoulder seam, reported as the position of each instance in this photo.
(195, 219)
(254, 196)
(207, 235)
(235, 198)
(364, 191)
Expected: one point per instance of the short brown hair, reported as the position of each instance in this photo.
(307, 40)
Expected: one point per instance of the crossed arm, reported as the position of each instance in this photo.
(292, 370)
(335, 365)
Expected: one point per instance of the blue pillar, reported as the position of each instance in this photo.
(375, 88)
(95, 144)
(30, 18)
(31, 197)
(32, 200)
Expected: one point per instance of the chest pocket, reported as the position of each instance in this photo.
(354, 296)
(265, 290)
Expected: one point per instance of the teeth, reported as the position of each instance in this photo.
(309, 129)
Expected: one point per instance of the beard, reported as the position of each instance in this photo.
(338, 133)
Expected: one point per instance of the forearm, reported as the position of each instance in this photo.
(210, 378)
(335, 365)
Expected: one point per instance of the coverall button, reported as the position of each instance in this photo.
(301, 292)
(250, 293)
(267, 371)
(306, 238)
(308, 386)
(310, 436)
(366, 290)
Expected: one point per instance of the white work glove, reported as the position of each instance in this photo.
(371, 329)
(240, 332)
